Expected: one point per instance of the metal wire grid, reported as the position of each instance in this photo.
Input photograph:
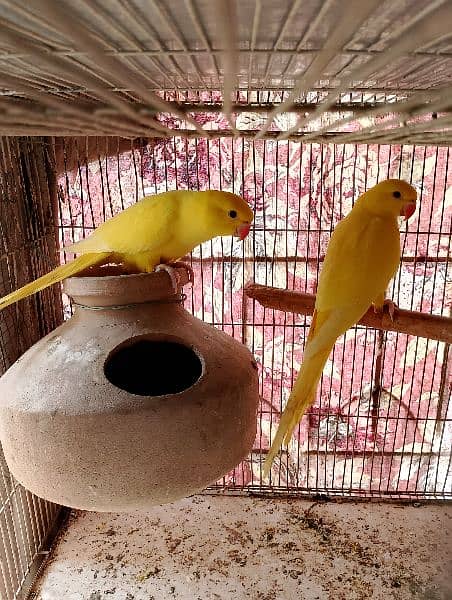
(75, 68)
(355, 441)
(27, 248)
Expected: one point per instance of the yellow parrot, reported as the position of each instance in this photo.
(157, 230)
(362, 257)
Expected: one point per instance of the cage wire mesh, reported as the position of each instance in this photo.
(355, 440)
(28, 247)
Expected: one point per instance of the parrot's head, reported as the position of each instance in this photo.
(393, 197)
(227, 214)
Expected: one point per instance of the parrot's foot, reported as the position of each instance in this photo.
(173, 275)
(179, 264)
(388, 306)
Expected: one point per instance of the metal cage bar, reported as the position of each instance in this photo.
(28, 247)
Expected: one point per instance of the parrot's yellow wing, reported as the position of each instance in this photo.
(143, 227)
(133, 237)
(362, 257)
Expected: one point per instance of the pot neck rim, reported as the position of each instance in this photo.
(120, 291)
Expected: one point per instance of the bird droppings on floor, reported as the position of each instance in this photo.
(221, 547)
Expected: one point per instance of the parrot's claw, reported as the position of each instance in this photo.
(173, 275)
(388, 306)
(182, 265)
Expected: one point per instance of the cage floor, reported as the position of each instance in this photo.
(263, 549)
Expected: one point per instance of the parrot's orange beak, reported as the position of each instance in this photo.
(243, 230)
(408, 210)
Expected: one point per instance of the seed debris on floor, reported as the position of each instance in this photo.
(222, 547)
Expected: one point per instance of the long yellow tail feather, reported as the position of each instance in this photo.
(300, 399)
(58, 274)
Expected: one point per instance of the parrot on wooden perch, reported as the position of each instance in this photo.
(151, 234)
(362, 257)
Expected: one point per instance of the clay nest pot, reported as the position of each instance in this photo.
(132, 402)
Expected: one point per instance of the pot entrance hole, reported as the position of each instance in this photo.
(153, 367)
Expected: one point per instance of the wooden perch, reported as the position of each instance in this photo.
(424, 325)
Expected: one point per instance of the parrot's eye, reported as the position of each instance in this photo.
(232, 214)
(397, 194)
